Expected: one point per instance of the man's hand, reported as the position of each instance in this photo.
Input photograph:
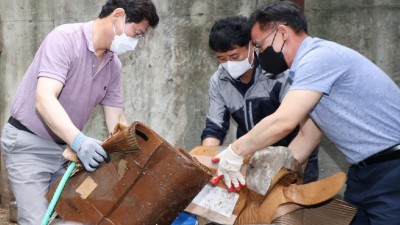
(89, 151)
(229, 168)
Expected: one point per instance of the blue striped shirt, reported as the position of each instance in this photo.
(360, 107)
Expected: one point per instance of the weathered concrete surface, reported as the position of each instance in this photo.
(166, 79)
(368, 26)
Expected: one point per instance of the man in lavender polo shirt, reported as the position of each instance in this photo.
(75, 69)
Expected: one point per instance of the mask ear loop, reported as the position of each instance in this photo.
(123, 24)
(274, 40)
(248, 56)
(114, 29)
(274, 37)
(123, 27)
(283, 45)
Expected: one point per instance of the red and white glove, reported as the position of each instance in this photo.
(229, 169)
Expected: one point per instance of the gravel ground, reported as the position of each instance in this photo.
(4, 215)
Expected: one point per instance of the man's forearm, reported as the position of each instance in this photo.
(114, 115)
(294, 108)
(306, 140)
(267, 132)
(56, 118)
(51, 110)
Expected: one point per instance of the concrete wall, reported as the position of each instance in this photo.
(166, 79)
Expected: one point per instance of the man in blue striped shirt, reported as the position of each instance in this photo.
(337, 91)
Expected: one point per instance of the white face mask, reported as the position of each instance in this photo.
(237, 68)
(123, 43)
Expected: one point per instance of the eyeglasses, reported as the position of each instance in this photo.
(260, 43)
(138, 33)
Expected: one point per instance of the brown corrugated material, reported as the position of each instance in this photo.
(150, 186)
(311, 194)
(331, 212)
(286, 197)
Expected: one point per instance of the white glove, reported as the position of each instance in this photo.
(229, 168)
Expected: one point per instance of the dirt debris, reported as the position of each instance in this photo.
(4, 215)
(5, 219)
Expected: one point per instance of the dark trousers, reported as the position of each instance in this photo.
(375, 191)
(311, 171)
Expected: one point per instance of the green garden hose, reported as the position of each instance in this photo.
(57, 193)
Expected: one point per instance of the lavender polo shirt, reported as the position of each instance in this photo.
(67, 55)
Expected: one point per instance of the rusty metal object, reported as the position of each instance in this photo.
(150, 186)
(122, 139)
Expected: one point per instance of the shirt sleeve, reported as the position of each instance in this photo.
(55, 56)
(217, 122)
(318, 70)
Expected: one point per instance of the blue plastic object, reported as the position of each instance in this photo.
(185, 218)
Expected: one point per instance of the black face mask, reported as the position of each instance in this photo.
(271, 61)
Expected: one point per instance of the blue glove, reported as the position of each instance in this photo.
(89, 151)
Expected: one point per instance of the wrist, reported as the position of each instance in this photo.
(234, 153)
(76, 143)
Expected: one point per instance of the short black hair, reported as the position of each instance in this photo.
(136, 10)
(284, 12)
(229, 32)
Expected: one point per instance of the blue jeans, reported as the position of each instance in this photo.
(375, 191)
